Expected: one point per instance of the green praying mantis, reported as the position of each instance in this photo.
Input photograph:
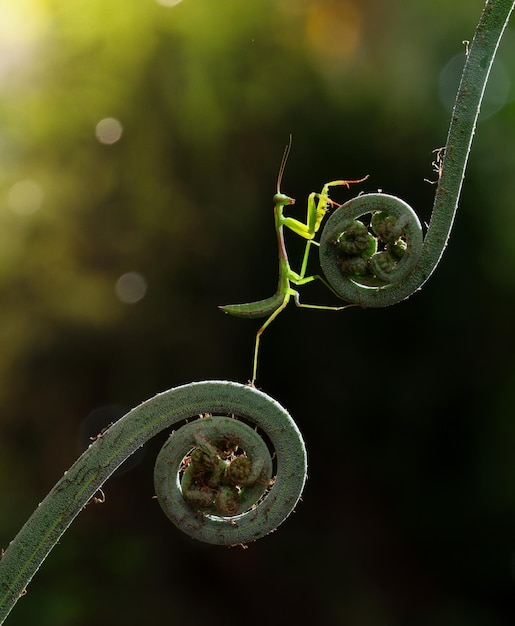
(318, 206)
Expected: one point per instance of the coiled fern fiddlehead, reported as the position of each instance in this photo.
(384, 259)
(231, 473)
(221, 495)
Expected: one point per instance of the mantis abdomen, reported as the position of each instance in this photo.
(260, 308)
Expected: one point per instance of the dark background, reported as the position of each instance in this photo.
(408, 516)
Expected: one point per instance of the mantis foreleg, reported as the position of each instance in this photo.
(318, 205)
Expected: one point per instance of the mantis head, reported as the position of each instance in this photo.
(282, 199)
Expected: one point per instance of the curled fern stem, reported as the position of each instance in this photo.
(399, 260)
(231, 472)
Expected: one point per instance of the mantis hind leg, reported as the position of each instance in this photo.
(322, 307)
(263, 328)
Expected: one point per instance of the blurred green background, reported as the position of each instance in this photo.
(139, 150)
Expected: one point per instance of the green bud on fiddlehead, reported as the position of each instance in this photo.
(382, 265)
(239, 470)
(227, 500)
(200, 497)
(389, 228)
(355, 246)
(397, 249)
(201, 462)
(354, 238)
(353, 265)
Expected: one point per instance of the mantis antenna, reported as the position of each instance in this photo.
(282, 167)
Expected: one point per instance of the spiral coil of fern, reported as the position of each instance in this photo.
(393, 265)
(261, 479)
